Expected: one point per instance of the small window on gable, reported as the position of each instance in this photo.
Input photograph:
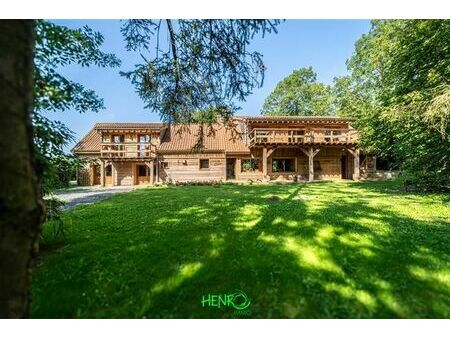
(204, 164)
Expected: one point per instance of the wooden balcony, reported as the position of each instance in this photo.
(260, 136)
(127, 150)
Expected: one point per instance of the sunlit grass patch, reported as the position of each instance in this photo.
(343, 250)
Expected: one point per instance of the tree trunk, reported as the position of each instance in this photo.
(21, 206)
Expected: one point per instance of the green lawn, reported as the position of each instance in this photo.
(322, 250)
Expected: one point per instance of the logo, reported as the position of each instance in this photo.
(236, 300)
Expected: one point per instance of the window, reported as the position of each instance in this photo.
(142, 170)
(108, 170)
(144, 138)
(249, 164)
(164, 165)
(105, 139)
(204, 164)
(282, 165)
(118, 138)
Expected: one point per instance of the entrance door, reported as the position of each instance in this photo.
(108, 175)
(143, 174)
(231, 167)
(96, 172)
(347, 167)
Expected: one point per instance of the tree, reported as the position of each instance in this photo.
(299, 94)
(206, 64)
(31, 144)
(20, 201)
(401, 69)
(58, 46)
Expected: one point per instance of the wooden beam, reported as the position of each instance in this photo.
(304, 151)
(270, 151)
(352, 152)
(264, 158)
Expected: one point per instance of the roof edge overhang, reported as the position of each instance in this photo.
(190, 151)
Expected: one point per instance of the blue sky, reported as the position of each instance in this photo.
(323, 44)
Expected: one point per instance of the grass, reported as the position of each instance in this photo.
(322, 250)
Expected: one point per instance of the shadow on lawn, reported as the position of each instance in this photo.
(306, 257)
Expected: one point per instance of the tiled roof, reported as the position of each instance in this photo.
(90, 143)
(217, 138)
(296, 118)
(127, 125)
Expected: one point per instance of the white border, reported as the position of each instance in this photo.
(224, 328)
(286, 9)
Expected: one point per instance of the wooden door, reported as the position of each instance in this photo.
(108, 175)
(142, 174)
(96, 174)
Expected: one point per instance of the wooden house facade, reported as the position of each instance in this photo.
(257, 148)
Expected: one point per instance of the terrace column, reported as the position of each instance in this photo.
(356, 165)
(102, 173)
(151, 172)
(355, 154)
(225, 169)
(264, 159)
(157, 170)
(310, 153)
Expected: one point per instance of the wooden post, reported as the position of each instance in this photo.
(264, 158)
(356, 165)
(157, 170)
(311, 164)
(225, 170)
(114, 173)
(102, 173)
(151, 172)
(310, 153)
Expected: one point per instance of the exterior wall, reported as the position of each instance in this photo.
(123, 173)
(329, 162)
(85, 175)
(186, 167)
(300, 164)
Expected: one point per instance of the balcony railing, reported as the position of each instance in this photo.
(302, 136)
(127, 150)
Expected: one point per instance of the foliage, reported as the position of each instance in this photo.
(299, 94)
(399, 91)
(53, 218)
(205, 64)
(323, 250)
(58, 46)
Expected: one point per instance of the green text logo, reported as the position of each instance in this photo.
(237, 300)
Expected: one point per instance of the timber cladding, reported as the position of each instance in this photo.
(192, 167)
(123, 173)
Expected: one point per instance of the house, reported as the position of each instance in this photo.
(244, 148)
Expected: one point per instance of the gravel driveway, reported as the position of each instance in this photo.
(88, 195)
